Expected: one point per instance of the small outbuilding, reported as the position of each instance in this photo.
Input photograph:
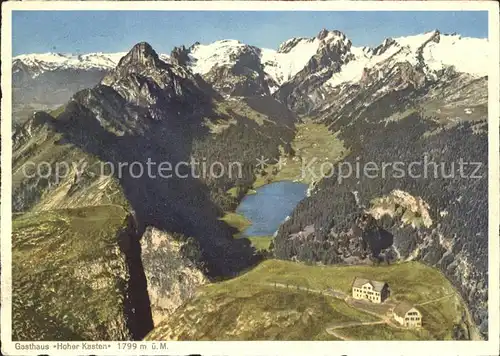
(407, 315)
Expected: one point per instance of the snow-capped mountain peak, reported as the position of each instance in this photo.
(326, 36)
(293, 55)
(43, 62)
(414, 42)
(219, 53)
(290, 44)
(432, 50)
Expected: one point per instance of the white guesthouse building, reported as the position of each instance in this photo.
(373, 291)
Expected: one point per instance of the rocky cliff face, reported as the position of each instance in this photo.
(143, 80)
(173, 269)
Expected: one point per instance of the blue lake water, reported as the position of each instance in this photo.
(268, 208)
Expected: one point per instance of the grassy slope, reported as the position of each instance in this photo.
(73, 259)
(249, 307)
(237, 221)
(242, 310)
(261, 242)
(380, 332)
(312, 142)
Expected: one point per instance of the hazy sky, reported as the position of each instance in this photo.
(118, 31)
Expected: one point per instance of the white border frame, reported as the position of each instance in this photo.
(241, 348)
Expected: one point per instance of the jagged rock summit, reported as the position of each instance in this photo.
(142, 55)
(144, 80)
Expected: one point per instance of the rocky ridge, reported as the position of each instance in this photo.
(173, 269)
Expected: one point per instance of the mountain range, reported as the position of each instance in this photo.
(324, 63)
(147, 246)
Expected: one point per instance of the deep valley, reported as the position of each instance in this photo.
(102, 255)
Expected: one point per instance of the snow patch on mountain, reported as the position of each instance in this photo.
(467, 55)
(414, 42)
(282, 66)
(352, 71)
